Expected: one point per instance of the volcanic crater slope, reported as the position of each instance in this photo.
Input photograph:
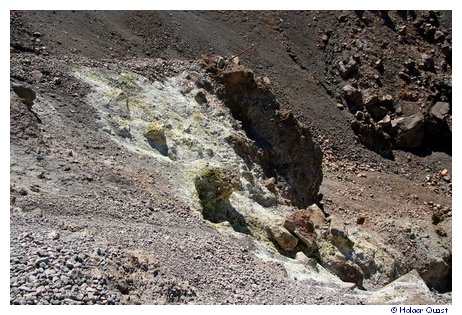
(139, 180)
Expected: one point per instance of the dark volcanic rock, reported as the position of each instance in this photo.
(437, 274)
(440, 110)
(288, 152)
(438, 128)
(409, 131)
(353, 98)
(373, 137)
(347, 68)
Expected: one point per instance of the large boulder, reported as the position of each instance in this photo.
(27, 96)
(339, 238)
(376, 111)
(373, 137)
(334, 261)
(317, 217)
(337, 227)
(353, 98)
(437, 274)
(284, 238)
(299, 220)
(347, 68)
(309, 239)
(435, 264)
(369, 97)
(440, 111)
(299, 223)
(409, 131)
(373, 105)
(214, 186)
(408, 289)
(439, 126)
(375, 259)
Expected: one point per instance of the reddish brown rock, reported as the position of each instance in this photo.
(283, 237)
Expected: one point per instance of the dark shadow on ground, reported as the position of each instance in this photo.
(226, 212)
(428, 151)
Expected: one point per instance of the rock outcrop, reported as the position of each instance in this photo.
(334, 261)
(283, 237)
(439, 127)
(408, 289)
(214, 186)
(155, 135)
(286, 150)
(409, 131)
(301, 225)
